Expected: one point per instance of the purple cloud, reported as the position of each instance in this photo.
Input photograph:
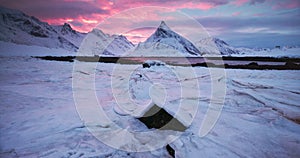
(256, 1)
(55, 8)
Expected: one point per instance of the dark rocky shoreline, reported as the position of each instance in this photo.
(288, 63)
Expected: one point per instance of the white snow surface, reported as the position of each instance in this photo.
(293, 52)
(12, 49)
(39, 117)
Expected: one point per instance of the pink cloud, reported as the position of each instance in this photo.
(85, 12)
(288, 4)
(259, 14)
(138, 35)
(251, 2)
(192, 4)
(236, 13)
(117, 6)
(201, 5)
(240, 2)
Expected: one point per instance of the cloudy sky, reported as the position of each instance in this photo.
(249, 23)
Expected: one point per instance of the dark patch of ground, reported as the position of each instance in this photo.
(290, 63)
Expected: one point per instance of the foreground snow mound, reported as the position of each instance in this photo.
(19, 28)
(166, 42)
(157, 85)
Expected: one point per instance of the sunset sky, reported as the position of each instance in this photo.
(249, 23)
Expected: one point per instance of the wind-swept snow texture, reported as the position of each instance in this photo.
(260, 117)
(12, 49)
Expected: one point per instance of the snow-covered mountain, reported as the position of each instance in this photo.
(215, 46)
(17, 27)
(99, 43)
(165, 42)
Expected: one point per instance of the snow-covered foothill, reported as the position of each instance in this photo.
(214, 46)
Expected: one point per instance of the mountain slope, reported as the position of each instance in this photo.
(215, 46)
(99, 43)
(165, 42)
(19, 28)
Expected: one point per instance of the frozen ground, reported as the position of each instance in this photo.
(275, 52)
(12, 49)
(38, 116)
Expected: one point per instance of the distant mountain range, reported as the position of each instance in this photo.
(99, 43)
(17, 27)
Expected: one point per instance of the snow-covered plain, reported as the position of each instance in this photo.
(260, 117)
(12, 49)
(275, 52)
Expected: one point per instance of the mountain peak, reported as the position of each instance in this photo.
(167, 41)
(66, 28)
(66, 25)
(164, 26)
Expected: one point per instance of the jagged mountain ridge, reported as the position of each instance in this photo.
(19, 28)
(212, 45)
(99, 43)
(164, 40)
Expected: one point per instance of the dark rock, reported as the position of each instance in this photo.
(62, 58)
(290, 64)
(157, 117)
(170, 150)
(149, 63)
(146, 65)
(38, 33)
